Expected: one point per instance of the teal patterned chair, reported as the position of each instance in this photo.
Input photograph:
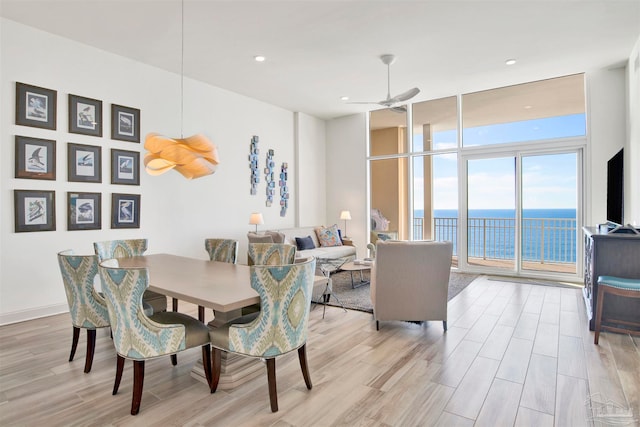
(139, 337)
(128, 248)
(87, 307)
(223, 250)
(271, 254)
(279, 327)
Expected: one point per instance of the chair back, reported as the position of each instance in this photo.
(135, 336)
(410, 280)
(285, 300)
(120, 248)
(87, 307)
(223, 250)
(271, 254)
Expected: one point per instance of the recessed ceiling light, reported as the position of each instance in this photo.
(259, 58)
(344, 98)
(510, 61)
(528, 107)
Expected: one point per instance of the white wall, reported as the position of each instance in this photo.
(311, 152)
(347, 177)
(606, 109)
(176, 214)
(632, 149)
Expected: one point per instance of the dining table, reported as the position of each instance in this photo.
(223, 287)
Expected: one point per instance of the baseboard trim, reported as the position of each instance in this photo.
(32, 313)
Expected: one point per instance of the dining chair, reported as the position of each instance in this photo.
(128, 248)
(139, 337)
(279, 327)
(87, 307)
(223, 250)
(271, 253)
(268, 254)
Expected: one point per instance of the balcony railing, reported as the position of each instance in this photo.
(544, 240)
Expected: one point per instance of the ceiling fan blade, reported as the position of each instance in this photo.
(399, 109)
(404, 96)
(363, 102)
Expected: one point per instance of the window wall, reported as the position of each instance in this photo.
(498, 169)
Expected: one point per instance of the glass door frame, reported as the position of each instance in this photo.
(573, 145)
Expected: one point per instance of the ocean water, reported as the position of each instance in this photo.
(548, 235)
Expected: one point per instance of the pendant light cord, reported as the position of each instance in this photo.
(182, 71)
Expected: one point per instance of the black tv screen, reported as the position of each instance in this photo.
(615, 188)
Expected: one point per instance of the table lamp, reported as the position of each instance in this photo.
(256, 219)
(345, 215)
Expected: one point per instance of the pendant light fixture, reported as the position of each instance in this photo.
(195, 156)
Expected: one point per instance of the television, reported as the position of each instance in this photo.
(615, 188)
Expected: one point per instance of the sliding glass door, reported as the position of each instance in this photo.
(522, 213)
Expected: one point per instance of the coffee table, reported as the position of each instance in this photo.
(352, 266)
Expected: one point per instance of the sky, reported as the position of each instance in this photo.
(549, 181)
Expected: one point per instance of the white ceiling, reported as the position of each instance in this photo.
(318, 51)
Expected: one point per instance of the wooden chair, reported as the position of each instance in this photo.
(128, 248)
(279, 327)
(610, 285)
(87, 307)
(139, 337)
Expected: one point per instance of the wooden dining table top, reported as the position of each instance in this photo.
(218, 285)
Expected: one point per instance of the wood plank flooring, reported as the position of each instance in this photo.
(515, 355)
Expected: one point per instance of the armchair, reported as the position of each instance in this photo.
(410, 281)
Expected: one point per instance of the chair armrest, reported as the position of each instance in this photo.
(347, 242)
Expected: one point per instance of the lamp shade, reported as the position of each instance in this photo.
(194, 157)
(345, 215)
(256, 219)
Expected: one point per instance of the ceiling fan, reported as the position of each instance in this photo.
(390, 101)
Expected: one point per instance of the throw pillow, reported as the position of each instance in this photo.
(276, 236)
(304, 243)
(259, 238)
(329, 236)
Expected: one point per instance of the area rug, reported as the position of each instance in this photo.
(360, 298)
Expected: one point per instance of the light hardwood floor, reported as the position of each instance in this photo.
(515, 355)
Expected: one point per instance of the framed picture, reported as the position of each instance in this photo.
(125, 123)
(34, 210)
(85, 116)
(125, 167)
(85, 211)
(125, 210)
(35, 158)
(84, 163)
(35, 106)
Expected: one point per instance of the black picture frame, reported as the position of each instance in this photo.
(125, 123)
(125, 167)
(125, 210)
(34, 210)
(35, 158)
(36, 106)
(85, 115)
(84, 211)
(84, 163)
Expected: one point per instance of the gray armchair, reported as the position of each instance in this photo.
(410, 281)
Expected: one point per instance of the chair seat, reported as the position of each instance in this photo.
(196, 333)
(620, 283)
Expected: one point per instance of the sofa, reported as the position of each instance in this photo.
(288, 235)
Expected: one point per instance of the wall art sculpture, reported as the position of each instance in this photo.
(284, 189)
(253, 164)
